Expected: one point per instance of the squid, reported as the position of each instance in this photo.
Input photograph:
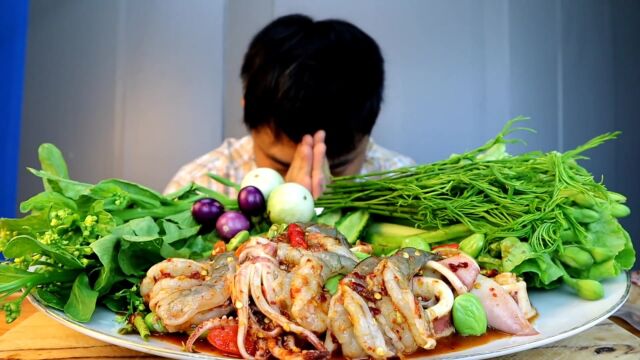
(517, 288)
(274, 291)
(503, 313)
(285, 284)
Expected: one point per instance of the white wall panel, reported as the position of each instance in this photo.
(69, 88)
(243, 19)
(152, 84)
(171, 73)
(129, 89)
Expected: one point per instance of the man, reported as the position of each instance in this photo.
(312, 94)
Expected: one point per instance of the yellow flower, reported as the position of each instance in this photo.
(90, 220)
(4, 234)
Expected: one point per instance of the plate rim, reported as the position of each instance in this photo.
(573, 331)
(176, 354)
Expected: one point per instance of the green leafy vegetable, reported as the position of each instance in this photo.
(69, 188)
(534, 209)
(24, 245)
(82, 300)
(114, 231)
(55, 298)
(47, 200)
(353, 224)
(52, 161)
(329, 217)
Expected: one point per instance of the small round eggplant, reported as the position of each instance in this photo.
(230, 223)
(251, 201)
(207, 211)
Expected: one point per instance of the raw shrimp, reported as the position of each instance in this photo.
(184, 293)
(384, 307)
(385, 317)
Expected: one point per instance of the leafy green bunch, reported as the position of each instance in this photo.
(542, 215)
(83, 244)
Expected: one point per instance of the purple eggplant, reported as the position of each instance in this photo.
(230, 223)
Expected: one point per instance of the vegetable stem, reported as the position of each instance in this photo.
(141, 326)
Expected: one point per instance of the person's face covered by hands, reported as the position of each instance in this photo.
(306, 162)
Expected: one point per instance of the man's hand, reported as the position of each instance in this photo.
(309, 166)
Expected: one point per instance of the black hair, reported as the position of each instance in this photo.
(301, 75)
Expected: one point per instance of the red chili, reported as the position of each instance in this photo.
(462, 265)
(374, 311)
(296, 236)
(490, 272)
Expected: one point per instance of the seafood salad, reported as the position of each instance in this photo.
(451, 240)
(268, 298)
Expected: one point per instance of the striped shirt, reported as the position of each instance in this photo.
(235, 158)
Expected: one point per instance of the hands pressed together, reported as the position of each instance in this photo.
(310, 166)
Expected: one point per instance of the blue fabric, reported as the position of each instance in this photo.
(13, 38)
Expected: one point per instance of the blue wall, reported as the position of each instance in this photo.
(13, 32)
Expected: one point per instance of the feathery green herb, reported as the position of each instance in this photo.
(546, 200)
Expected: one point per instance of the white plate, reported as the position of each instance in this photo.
(562, 314)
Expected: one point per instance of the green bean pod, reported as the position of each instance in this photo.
(576, 257)
(154, 323)
(578, 197)
(601, 254)
(616, 197)
(238, 240)
(141, 326)
(472, 245)
(585, 288)
(607, 269)
(469, 317)
(416, 243)
(619, 210)
(582, 215)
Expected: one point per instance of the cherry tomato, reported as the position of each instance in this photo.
(219, 247)
(446, 246)
(240, 249)
(296, 236)
(225, 339)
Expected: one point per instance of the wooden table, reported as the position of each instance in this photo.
(35, 336)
